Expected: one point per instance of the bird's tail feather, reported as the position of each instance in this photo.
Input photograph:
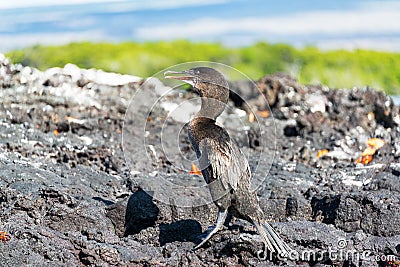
(272, 239)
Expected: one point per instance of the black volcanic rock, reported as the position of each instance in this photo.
(68, 196)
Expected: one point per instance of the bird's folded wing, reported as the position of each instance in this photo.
(226, 161)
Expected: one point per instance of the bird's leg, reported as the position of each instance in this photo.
(218, 225)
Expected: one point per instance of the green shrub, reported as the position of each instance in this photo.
(338, 68)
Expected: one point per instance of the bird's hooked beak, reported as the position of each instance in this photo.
(185, 76)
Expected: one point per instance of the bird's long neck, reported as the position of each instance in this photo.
(210, 108)
(213, 100)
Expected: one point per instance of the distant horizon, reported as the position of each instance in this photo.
(352, 24)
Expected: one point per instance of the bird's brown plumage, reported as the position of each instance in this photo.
(224, 167)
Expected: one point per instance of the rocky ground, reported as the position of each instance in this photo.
(70, 196)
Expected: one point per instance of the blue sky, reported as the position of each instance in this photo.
(327, 24)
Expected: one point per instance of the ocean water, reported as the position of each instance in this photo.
(326, 24)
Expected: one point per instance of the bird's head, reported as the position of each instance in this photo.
(208, 82)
